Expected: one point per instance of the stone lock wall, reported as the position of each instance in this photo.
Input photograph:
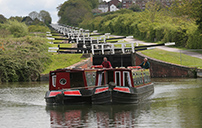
(164, 69)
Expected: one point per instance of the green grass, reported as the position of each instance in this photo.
(61, 45)
(62, 61)
(191, 50)
(41, 34)
(59, 37)
(127, 45)
(123, 41)
(173, 57)
(58, 41)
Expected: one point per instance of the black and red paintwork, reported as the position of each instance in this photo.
(99, 86)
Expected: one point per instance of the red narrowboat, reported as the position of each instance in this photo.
(99, 86)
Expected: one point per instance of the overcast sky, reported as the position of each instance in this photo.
(10, 8)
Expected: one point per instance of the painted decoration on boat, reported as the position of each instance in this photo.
(90, 77)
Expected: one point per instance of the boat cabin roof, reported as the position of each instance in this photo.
(91, 69)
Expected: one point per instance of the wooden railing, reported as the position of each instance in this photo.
(69, 50)
(106, 48)
(111, 48)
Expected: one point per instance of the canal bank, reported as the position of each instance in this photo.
(163, 69)
(188, 71)
(158, 69)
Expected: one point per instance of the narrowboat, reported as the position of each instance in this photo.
(99, 85)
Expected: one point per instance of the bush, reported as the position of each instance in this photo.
(17, 29)
(149, 25)
(159, 33)
(23, 59)
(4, 33)
(194, 40)
(38, 28)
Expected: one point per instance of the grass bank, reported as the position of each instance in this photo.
(61, 45)
(173, 57)
(59, 61)
(62, 61)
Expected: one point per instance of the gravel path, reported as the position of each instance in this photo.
(187, 52)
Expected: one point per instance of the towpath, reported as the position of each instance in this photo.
(187, 52)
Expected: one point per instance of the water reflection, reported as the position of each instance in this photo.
(95, 116)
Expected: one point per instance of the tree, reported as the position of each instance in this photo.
(45, 17)
(197, 13)
(152, 7)
(135, 8)
(119, 5)
(189, 8)
(72, 12)
(27, 20)
(18, 18)
(93, 3)
(33, 15)
(38, 22)
(2, 19)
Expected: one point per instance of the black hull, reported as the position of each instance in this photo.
(67, 100)
(102, 98)
(116, 97)
(62, 99)
(109, 96)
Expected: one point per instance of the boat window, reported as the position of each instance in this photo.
(76, 79)
(63, 81)
(126, 79)
(90, 78)
(101, 79)
(54, 81)
(118, 78)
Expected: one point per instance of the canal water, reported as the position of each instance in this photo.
(176, 103)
